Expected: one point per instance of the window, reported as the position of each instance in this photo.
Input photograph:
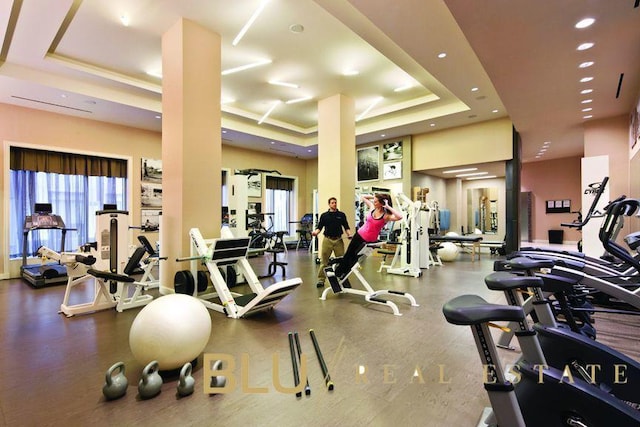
(75, 185)
(280, 196)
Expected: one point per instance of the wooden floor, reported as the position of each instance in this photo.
(53, 367)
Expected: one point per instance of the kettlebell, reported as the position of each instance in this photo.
(115, 386)
(217, 381)
(150, 383)
(187, 383)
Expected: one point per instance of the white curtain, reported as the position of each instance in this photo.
(75, 198)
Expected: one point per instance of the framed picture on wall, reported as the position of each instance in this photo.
(255, 185)
(392, 170)
(151, 195)
(151, 170)
(368, 164)
(150, 219)
(392, 151)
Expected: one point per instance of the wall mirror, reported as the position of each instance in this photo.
(482, 210)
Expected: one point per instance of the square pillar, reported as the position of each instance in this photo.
(191, 142)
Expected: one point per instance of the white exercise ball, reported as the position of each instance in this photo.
(173, 329)
(448, 252)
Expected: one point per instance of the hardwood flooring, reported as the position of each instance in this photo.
(414, 369)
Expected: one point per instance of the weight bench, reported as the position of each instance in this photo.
(231, 251)
(343, 286)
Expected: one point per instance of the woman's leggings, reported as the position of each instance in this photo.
(351, 255)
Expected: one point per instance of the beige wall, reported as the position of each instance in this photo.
(402, 185)
(557, 179)
(553, 180)
(634, 188)
(561, 178)
(497, 191)
(238, 158)
(26, 126)
(611, 137)
(478, 143)
(490, 141)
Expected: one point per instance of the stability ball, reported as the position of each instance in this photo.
(173, 329)
(448, 251)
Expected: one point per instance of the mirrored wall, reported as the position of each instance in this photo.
(482, 210)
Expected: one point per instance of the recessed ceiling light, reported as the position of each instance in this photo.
(308, 151)
(432, 124)
(249, 22)
(585, 46)
(542, 150)
(296, 28)
(586, 101)
(547, 143)
(442, 55)
(285, 84)
(246, 67)
(481, 177)
(588, 116)
(586, 64)
(474, 89)
(586, 79)
(460, 170)
(584, 23)
(295, 101)
(462, 175)
(494, 111)
(586, 91)
(158, 117)
(224, 131)
(273, 142)
(584, 110)
(64, 95)
(537, 157)
(383, 135)
(124, 19)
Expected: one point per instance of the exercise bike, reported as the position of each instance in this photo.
(534, 393)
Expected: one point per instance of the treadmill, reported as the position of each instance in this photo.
(41, 275)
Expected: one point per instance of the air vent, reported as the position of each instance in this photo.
(291, 153)
(51, 104)
(481, 97)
